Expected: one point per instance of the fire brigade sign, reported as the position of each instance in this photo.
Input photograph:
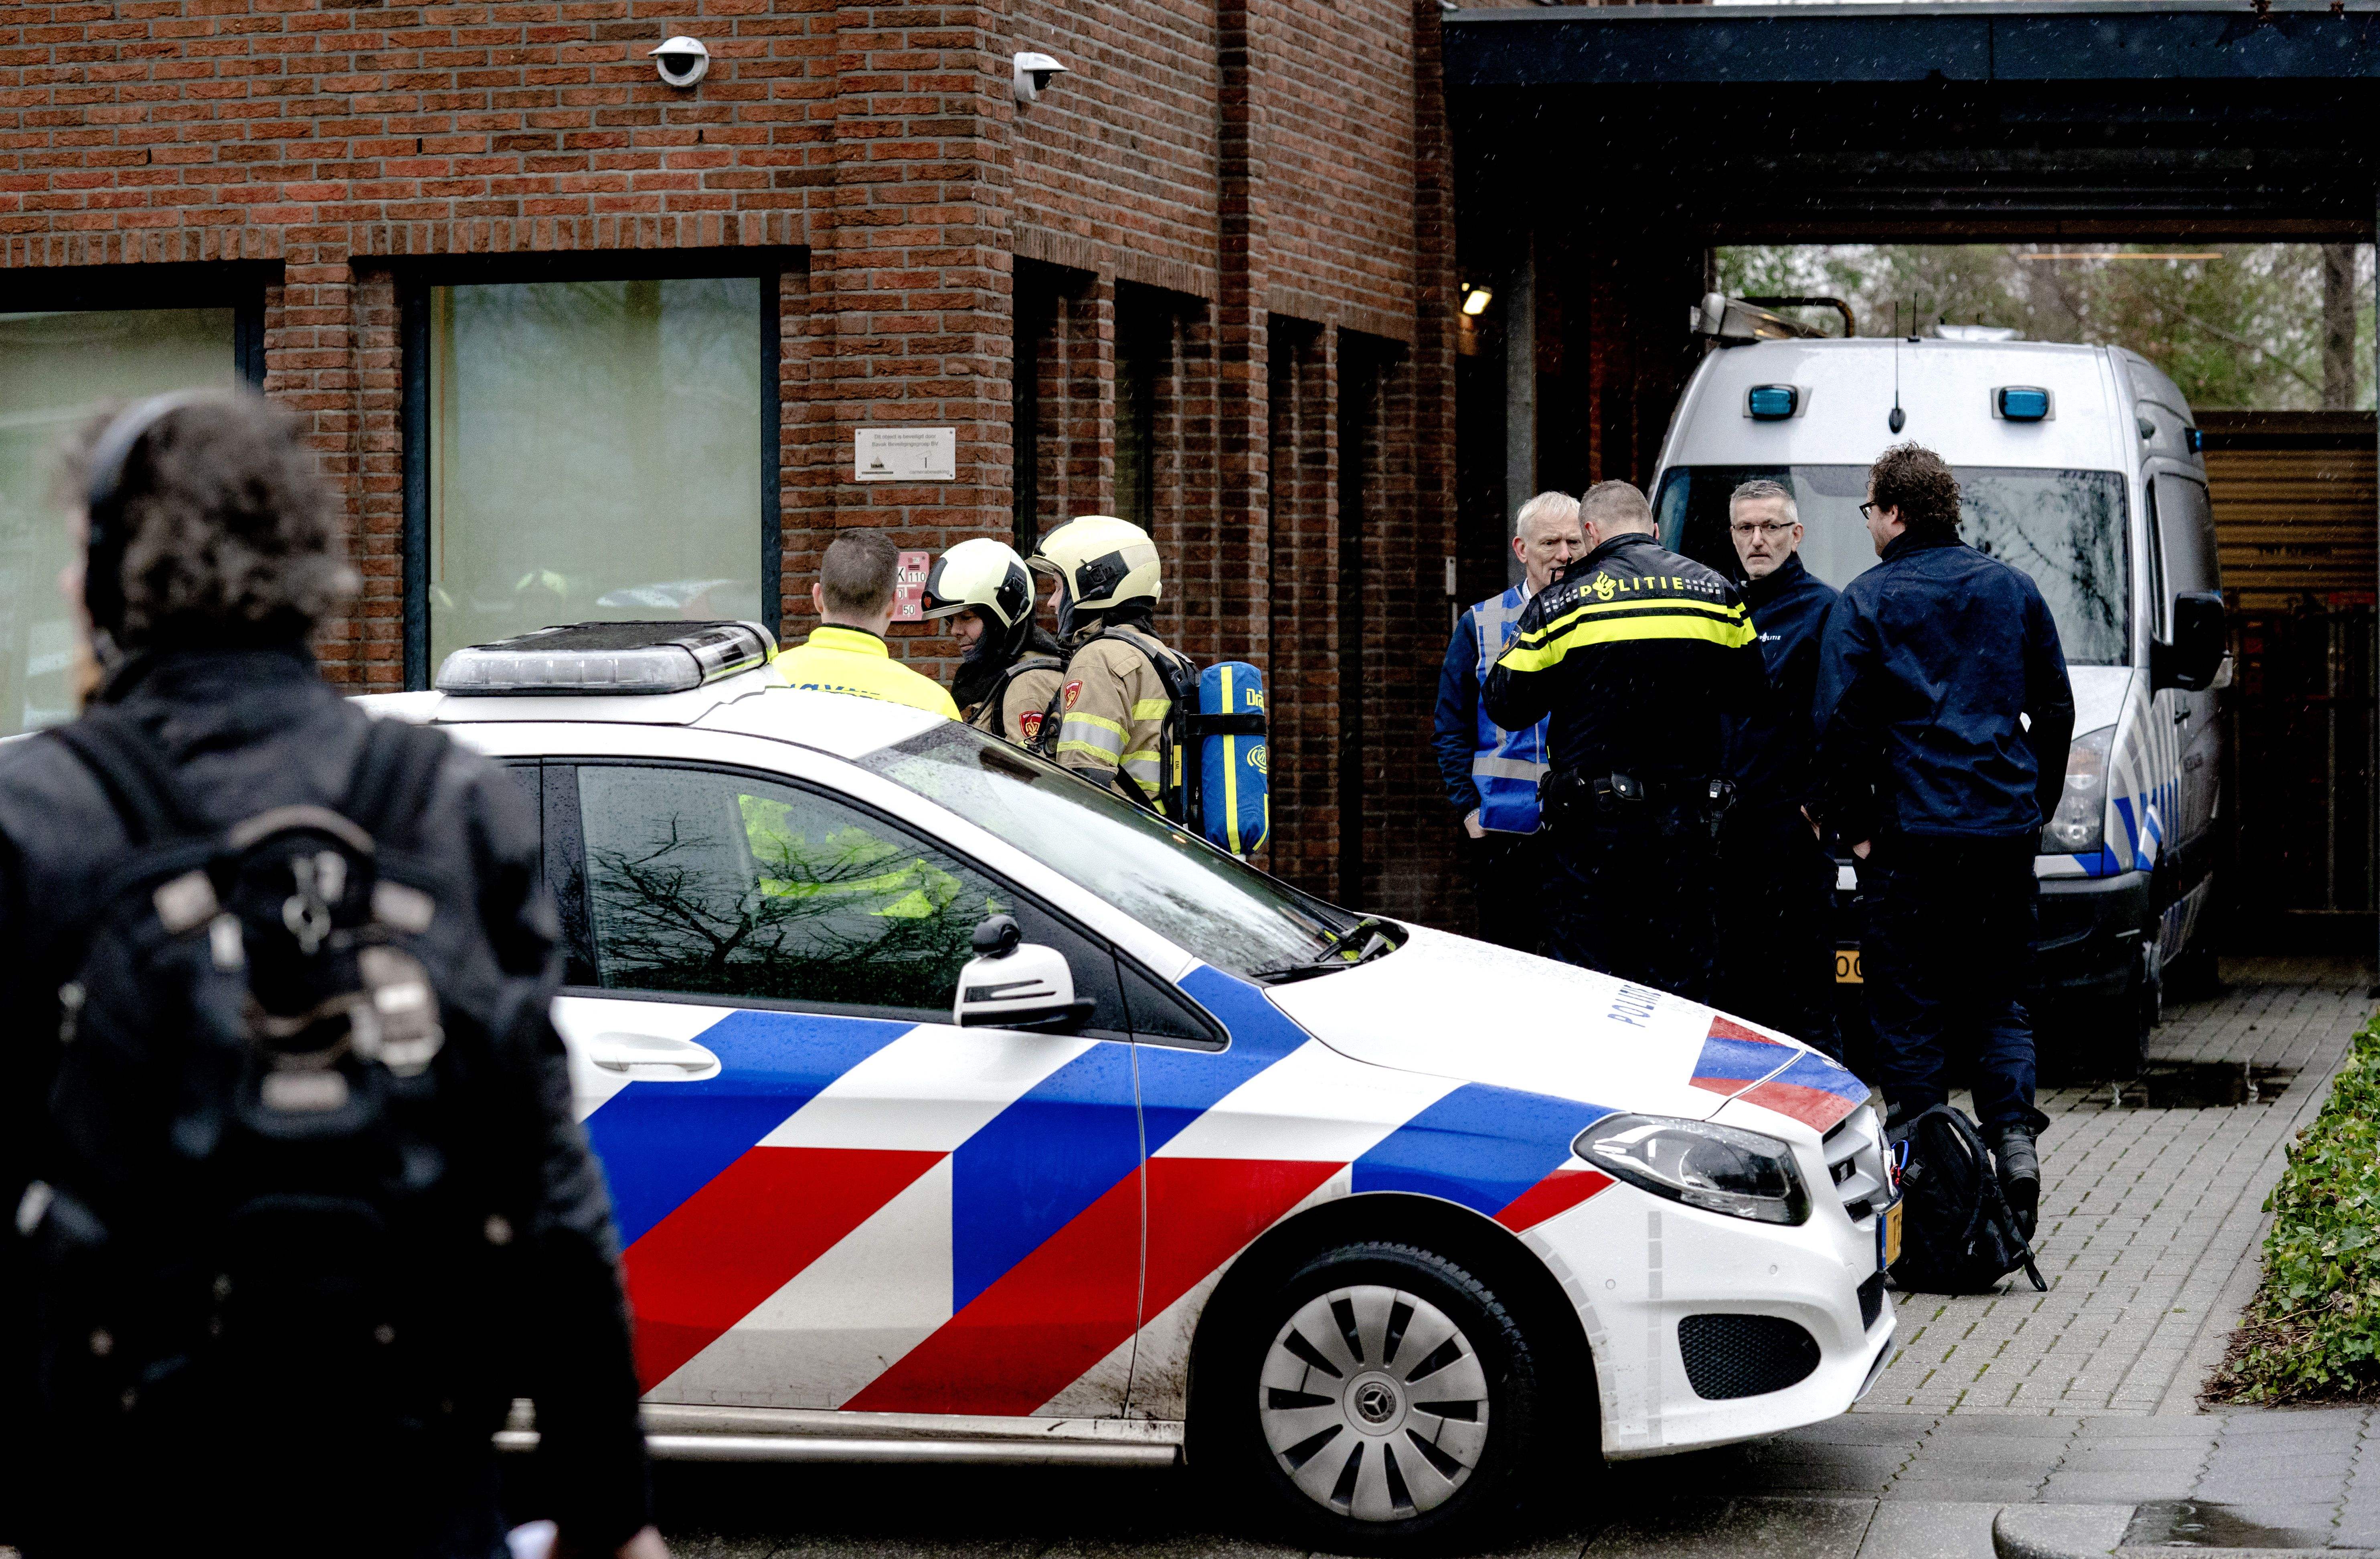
(904, 454)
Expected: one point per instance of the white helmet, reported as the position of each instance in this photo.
(982, 573)
(1105, 562)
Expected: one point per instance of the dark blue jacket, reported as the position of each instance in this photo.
(1768, 753)
(1456, 732)
(1928, 660)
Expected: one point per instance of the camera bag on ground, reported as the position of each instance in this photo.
(1957, 1235)
(292, 1129)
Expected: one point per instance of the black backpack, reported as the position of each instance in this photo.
(291, 1155)
(1957, 1235)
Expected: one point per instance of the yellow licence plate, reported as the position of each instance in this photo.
(1888, 1235)
(1847, 967)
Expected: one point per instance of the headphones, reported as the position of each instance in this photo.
(107, 535)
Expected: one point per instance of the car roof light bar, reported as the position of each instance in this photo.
(607, 658)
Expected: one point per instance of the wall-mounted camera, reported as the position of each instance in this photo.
(1033, 74)
(682, 61)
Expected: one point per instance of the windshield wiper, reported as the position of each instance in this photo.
(1369, 934)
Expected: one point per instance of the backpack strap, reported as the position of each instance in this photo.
(393, 776)
(133, 773)
(1991, 1200)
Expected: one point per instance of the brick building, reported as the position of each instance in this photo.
(575, 343)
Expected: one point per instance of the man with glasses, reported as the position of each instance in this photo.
(1776, 919)
(1944, 715)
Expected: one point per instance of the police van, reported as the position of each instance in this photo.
(956, 1109)
(2082, 466)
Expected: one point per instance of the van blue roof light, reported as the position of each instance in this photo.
(2023, 403)
(1771, 403)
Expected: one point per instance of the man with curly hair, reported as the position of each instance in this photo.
(1944, 715)
(216, 1383)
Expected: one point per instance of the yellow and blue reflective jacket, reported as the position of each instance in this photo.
(851, 660)
(1635, 653)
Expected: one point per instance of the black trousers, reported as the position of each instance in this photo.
(1631, 892)
(1776, 925)
(1507, 872)
(1945, 947)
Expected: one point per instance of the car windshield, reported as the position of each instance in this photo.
(1202, 900)
(2065, 528)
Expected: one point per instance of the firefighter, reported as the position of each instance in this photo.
(1010, 671)
(1636, 654)
(1123, 686)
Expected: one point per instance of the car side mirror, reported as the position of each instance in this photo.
(2195, 656)
(1013, 983)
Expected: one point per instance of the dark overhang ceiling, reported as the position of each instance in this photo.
(1744, 123)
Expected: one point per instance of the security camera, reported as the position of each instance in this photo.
(682, 61)
(1033, 76)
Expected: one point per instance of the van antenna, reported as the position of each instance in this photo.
(1899, 418)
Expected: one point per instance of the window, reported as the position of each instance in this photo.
(2064, 529)
(700, 882)
(57, 370)
(595, 451)
(1203, 901)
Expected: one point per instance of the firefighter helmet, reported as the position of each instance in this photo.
(1104, 561)
(982, 572)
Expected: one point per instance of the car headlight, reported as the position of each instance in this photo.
(1717, 1168)
(2080, 823)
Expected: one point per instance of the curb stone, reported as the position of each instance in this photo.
(2096, 1532)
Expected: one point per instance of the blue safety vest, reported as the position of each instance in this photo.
(1504, 764)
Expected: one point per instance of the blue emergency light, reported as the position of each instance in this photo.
(2194, 440)
(2023, 403)
(1771, 403)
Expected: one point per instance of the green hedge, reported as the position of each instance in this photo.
(2313, 1329)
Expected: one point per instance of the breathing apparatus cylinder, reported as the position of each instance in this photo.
(1233, 806)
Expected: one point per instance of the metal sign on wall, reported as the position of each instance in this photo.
(904, 454)
(909, 586)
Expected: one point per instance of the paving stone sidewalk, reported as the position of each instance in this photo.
(2152, 1221)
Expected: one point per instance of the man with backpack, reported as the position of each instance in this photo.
(1944, 715)
(300, 1206)
(1113, 718)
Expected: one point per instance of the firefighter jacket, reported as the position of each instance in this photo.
(1112, 708)
(1636, 654)
(1769, 753)
(1927, 663)
(1014, 709)
(836, 659)
(1487, 768)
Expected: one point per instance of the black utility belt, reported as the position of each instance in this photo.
(1563, 789)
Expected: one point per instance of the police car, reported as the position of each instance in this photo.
(957, 1109)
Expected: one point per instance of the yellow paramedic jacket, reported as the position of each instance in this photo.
(852, 660)
(1112, 711)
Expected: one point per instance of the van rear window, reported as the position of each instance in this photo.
(2067, 529)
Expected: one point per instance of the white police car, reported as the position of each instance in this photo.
(955, 1109)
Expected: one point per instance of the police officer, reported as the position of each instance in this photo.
(1944, 715)
(1776, 919)
(1114, 700)
(1636, 653)
(1491, 774)
(1010, 670)
(847, 652)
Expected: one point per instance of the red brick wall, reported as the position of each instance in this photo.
(1254, 159)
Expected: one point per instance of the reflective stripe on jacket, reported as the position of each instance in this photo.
(850, 660)
(1505, 765)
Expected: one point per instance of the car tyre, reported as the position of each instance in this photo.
(1386, 1401)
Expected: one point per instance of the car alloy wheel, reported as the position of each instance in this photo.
(1375, 1402)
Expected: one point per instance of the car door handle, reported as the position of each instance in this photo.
(652, 1057)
